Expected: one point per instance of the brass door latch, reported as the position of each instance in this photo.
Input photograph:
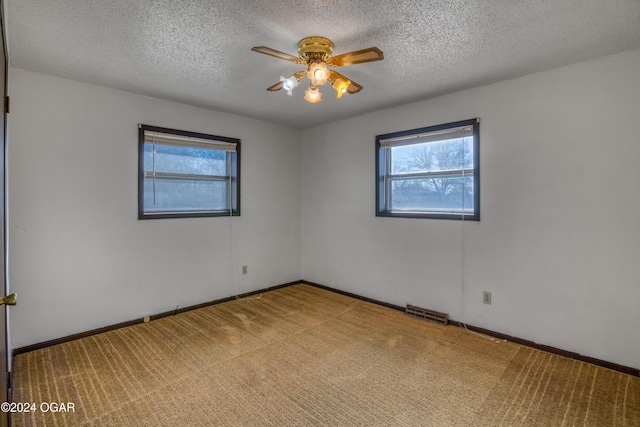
(9, 300)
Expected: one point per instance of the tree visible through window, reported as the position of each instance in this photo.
(430, 172)
(187, 174)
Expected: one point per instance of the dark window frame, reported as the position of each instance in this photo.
(234, 175)
(381, 170)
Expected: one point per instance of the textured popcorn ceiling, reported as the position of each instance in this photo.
(198, 51)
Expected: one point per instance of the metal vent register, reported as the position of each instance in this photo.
(431, 315)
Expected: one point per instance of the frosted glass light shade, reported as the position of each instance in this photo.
(318, 73)
(289, 83)
(312, 95)
(341, 87)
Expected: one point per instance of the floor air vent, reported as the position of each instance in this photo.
(423, 313)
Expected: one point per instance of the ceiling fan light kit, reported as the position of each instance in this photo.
(289, 83)
(315, 52)
(312, 95)
(318, 73)
(341, 86)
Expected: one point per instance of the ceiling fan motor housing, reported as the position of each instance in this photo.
(315, 49)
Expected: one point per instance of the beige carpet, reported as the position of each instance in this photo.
(303, 356)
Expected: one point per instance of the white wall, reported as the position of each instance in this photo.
(558, 244)
(80, 259)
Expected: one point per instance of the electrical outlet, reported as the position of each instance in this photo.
(486, 298)
(244, 269)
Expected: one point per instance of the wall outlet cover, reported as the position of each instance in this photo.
(486, 298)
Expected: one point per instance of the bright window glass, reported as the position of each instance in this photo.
(186, 174)
(430, 172)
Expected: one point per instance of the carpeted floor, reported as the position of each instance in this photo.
(303, 356)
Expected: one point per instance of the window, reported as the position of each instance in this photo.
(185, 174)
(431, 172)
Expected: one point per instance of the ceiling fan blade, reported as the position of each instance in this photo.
(353, 86)
(275, 87)
(277, 54)
(357, 57)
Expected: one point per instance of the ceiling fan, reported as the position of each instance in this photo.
(315, 52)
